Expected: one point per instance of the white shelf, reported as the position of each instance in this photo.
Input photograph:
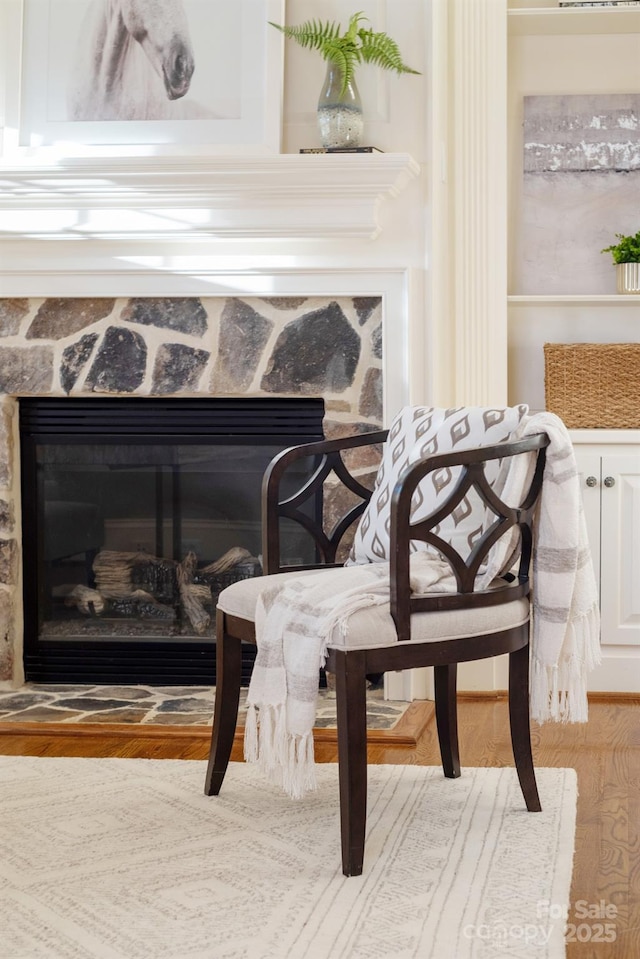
(579, 299)
(556, 21)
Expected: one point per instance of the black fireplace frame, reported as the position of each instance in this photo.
(211, 420)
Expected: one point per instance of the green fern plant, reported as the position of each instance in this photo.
(627, 250)
(356, 45)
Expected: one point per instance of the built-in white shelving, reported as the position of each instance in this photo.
(544, 18)
(568, 65)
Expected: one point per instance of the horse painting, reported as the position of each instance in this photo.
(135, 62)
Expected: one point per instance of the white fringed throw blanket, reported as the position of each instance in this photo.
(293, 626)
(565, 639)
(296, 621)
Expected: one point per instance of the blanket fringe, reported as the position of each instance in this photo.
(559, 692)
(251, 735)
(285, 759)
(298, 774)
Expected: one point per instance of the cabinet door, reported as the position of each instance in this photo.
(589, 467)
(620, 549)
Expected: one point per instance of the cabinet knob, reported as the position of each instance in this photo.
(591, 481)
(609, 481)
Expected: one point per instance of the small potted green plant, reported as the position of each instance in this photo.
(339, 107)
(626, 256)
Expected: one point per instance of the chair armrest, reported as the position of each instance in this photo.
(328, 459)
(472, 475)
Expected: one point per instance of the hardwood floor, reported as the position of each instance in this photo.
(605, 752)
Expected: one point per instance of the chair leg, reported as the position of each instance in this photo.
(520, 728)
(445, 680)
(225, 714)
(351, 706)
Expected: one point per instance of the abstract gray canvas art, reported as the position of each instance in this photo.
(581, 186)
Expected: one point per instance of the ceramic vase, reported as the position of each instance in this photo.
(628, 277)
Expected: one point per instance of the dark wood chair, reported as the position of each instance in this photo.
(439, 629)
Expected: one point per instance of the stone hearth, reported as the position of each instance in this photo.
(158, 706)
(178, 346)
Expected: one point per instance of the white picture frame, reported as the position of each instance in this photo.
(233, 104)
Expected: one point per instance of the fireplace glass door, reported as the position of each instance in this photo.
(136, 513)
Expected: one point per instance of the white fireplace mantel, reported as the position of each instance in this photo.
(292, 196)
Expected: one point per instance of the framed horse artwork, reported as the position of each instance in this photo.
(161, 76)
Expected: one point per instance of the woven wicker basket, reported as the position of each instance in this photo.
(593, 385)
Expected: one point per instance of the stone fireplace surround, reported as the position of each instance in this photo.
(178, 346)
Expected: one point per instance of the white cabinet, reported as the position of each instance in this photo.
(609, 464)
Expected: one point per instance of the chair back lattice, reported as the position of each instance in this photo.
(507, 536)
(507, 532)
(328, 457)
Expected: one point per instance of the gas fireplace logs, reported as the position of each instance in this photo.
(88, 601)
(198, 616)
(136, 583)
(227, 561)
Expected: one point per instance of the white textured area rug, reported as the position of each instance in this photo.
(127, 859)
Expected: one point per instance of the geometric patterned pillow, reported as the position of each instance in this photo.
(415, 433)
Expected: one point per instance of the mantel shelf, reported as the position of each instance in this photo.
(310, 196)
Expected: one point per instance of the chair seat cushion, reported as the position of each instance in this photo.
(374, 626)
